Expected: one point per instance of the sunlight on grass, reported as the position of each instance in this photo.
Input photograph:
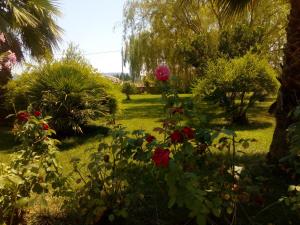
(145, 112)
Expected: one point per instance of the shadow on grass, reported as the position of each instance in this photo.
(143, 111)
(7, 140)
(152, 100)
(89, 132)
(213, 116)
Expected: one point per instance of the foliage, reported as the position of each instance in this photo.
(34, 170)
(128, 89)
(195, 30)
(183, 164)
(237, 41)
(105, 191)
(123, 76)
(290, 164)
(236, 85)
(30, 26)
(199, 51)
(293, 198)
(70, 91)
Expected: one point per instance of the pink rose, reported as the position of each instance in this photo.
(2, 38)
(162, 73)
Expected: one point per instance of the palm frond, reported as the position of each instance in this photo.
(234, 7)
(228, 7)
(32, 23)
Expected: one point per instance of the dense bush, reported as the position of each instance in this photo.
(128, 89)
(70, 91)
(236, 85)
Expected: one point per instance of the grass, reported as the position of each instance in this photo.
(145, 112)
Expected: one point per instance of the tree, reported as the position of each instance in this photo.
(194, 31)
(237, 41)
(28, 26)
(128, 89)
(236, 85)
(289, 92)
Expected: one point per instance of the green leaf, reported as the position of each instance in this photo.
(17, 180)
(111, 217)
(201, 219)
(22, 202)
(229, 210)
(172, 201)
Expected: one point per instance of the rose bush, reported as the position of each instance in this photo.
(180, 165)
(34, 170)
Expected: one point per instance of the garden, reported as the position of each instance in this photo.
(203, 130)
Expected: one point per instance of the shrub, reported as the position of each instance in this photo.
(128, 89)
(236, 85)
(70, 91)
(179, 170)
(34, 170)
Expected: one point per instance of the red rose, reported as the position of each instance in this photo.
(23, 116)
(161, 157)
(45, 126)
(37, 113)
(150, 138)
(188, 132)
(162, 73)
(176, 137)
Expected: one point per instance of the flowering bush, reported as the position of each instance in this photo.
(181, 163)
(33, 171)
(7, 58)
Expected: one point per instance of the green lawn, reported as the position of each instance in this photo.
(145, 112)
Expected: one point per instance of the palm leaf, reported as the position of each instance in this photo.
(228, 7)
(233, 7)
(31, 25)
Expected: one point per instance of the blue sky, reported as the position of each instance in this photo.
(94, 25)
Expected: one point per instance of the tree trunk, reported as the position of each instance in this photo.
(240, 119)
(289, 93)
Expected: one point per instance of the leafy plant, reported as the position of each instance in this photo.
(34, 170)
(236, 85)
(70, 91)
(290, 164)
(237, 41)
(128, 89)
(106, 192)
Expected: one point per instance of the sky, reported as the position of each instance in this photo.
(96, 27)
